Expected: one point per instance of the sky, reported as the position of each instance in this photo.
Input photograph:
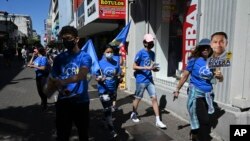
(36, 9)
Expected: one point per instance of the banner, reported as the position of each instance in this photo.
(189, 31)
(120, 40)
(90, 49)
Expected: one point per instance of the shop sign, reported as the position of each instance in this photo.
(112, 9)
(189, 31)
(104, 9)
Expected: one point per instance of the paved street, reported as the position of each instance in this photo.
(21, 117)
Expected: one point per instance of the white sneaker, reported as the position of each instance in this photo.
(134, 117)
(160, 125)
(113, 134)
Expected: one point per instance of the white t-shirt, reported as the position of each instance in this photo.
(24, 53)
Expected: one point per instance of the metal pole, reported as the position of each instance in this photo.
(6, 26)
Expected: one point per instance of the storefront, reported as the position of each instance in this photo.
(101, 21)
(177, 26)
(174, 24)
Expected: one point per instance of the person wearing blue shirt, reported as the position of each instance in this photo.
(69, 76)
(144, 64)
(40, 63)
(108, 78)
(200, 90)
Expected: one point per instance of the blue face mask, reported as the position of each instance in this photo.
(108, 55)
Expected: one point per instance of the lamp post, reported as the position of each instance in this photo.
(12, 19)
(129, 10)
(6, 22)
(9, 22)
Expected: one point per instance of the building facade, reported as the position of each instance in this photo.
(25, 29)
(100, 20)
(16, 28)
(177, 26)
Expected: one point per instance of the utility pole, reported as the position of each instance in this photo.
(6, 27)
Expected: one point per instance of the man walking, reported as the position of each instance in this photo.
(143, 65)
(69, 76)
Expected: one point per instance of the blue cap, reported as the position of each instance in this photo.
(204, 42)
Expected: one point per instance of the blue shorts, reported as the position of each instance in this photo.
(140, 88)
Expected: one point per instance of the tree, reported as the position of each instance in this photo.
(33, 40)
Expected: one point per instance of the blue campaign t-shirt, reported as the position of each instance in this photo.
(67, 65)
(41, 61)
(144, 58)
(110, 70)
(201, 75)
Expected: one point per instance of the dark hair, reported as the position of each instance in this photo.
(198, 49)
(41, 49)
(69, 30)
(108, 46)
(219, 33)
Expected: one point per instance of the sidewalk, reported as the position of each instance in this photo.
(145, 130)
(21, 117)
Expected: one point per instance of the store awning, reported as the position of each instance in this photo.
(94, 28)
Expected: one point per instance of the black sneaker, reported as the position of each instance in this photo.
(134, 117)
(114, 109)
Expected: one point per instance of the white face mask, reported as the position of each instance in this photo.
(108, 55)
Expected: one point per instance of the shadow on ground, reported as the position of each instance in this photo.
(27, 123)
(99, 130)
(8, 73)
(32, 124)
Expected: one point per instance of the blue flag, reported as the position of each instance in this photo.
(90, 49)
(120, 39)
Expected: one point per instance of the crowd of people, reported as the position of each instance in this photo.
(65, 69)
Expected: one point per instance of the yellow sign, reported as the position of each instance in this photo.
(112, 2)
(122, 85)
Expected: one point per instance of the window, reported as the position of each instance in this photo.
(170, 21)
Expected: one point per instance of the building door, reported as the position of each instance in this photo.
(180, 18)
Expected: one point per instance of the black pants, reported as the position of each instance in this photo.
(107, 108)
(40, 82)
(203, 117)
(69, 111)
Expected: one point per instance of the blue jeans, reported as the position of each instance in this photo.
(140, 88)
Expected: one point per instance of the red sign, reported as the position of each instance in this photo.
(112, 9)
(123, 52)
(189, 31)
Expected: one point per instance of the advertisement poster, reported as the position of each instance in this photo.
(189, 31)
(112, 9)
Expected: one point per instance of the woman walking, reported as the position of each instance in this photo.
(108, 78)
(200, 90)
